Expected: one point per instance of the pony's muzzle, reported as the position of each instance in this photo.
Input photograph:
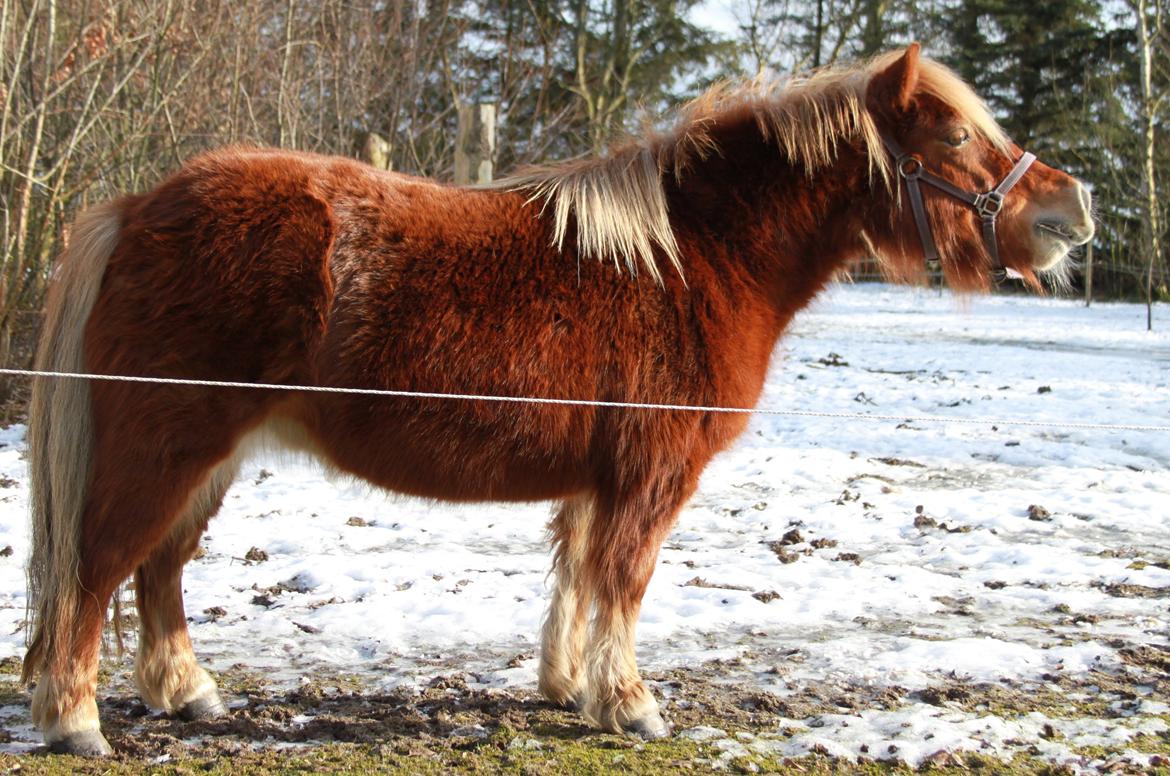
(1069, 220)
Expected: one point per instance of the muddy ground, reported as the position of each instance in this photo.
(336, 724)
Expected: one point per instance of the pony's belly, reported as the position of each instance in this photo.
(451, 454)
(461, 475)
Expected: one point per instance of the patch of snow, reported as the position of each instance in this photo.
(918, 562)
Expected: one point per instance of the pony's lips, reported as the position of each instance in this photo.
(1055, 244)
(1056, 232)
(1070, 234)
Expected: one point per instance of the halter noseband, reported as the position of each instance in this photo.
(988, 204)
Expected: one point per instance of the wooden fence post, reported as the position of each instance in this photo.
(377, 152)
(475, 144)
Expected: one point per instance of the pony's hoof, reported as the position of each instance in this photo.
(88, 743)
(573, 702)
(648, 728)
(207, 706)
(570, 701)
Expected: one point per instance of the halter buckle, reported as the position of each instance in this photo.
(910, 166)
(989, 204)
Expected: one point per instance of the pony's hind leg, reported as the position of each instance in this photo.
(146, 469)
(562, 671)
(623, 547)
(63, 704)
(165, 669)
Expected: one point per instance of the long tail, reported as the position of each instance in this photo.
(60, 437)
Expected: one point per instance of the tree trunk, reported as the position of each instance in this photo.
(874, 34)
(287, 138)
(1150, 227)
(818, 34)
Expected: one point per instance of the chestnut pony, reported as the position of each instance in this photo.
(663, 272)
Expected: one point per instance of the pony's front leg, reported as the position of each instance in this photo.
(562, 671)
(623, 548)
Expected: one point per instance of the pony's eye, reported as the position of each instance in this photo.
(958, 137)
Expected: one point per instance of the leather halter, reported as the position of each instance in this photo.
(988, 204)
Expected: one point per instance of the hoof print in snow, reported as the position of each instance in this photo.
(449, 682)
(1044, 389)
(792, 537)
(822, 543)
(851, 557)
(899, 462)
(356, 522)
(784, 554)
(700, 582)
(300, 583)
(518, 660)
(1127, 590)
(994, 584)
(1039, 513)
(263, 600)
(833, 359)
(846, 496)
(766, 596)
(263, 475)
(307, 628)
(939, 696)
(256, 555)
(922, 522)
(959, 606)
(213, 613)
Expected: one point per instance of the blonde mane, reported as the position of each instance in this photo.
(618, 201)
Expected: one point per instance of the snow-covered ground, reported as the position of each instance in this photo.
(924, 554)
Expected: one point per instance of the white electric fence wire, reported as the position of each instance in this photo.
(590, 402)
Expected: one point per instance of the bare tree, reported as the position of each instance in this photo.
(1150, 33)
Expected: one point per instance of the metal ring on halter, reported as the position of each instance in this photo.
(915, 167)
(989, 204)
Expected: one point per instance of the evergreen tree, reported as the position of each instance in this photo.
(1062, 77)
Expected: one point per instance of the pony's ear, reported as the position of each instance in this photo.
(894, 87)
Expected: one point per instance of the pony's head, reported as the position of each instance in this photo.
(984, 203)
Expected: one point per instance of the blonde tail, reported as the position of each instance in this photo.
(60, 437)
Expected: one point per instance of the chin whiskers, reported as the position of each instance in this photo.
(1058, 278)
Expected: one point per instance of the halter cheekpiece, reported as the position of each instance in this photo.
(987, 204)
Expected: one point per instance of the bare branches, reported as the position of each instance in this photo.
(100, 98)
